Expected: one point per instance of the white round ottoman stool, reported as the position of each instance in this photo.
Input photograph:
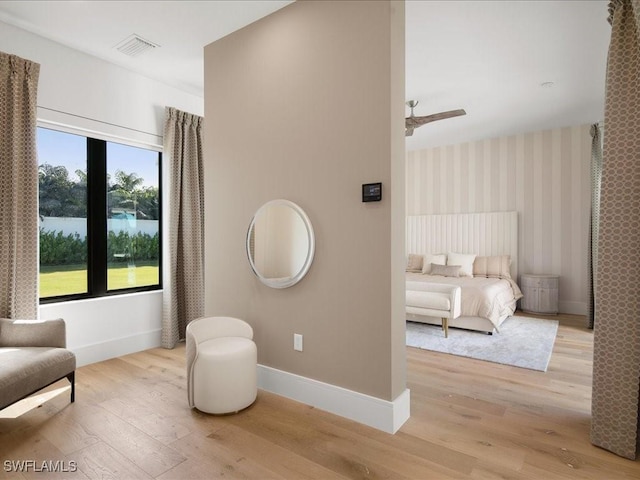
(221, 364)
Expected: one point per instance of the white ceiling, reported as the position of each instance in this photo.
(181, 29)
(488, 57)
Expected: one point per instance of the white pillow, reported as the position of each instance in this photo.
(437, 259)
(465, 260)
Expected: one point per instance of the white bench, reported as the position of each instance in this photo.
(434, 300)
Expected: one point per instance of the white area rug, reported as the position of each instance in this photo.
(522, 342)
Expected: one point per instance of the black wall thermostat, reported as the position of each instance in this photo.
(372, 192)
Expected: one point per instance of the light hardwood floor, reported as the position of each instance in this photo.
(469, 420)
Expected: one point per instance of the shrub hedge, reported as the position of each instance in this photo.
(59, 249)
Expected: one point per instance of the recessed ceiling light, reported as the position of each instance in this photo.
(134, 45)
(547, 84)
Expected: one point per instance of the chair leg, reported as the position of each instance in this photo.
(72, 379)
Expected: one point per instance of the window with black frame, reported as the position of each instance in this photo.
(100, 216)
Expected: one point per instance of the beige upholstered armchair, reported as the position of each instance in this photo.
(33, 355)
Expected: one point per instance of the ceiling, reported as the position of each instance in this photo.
(488, 57)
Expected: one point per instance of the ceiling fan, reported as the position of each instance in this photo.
(412, 122)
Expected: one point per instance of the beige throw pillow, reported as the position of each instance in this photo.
(445, 270)
(414, 263)
(498, 266)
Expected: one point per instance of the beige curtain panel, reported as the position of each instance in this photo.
(594, 222)
(18, 188)
(183, 281)
(616, 359)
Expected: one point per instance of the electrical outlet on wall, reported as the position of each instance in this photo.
(297, 342)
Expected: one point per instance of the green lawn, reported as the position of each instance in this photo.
(69, 279)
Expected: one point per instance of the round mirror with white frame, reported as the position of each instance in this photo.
(280, 243)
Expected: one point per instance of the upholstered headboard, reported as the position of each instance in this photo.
(485, 234)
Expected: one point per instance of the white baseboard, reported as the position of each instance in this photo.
(116, 347)
(384, 415)
(573, 308)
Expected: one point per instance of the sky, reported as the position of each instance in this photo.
(59, 148)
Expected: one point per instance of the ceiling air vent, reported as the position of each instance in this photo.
(134, 45)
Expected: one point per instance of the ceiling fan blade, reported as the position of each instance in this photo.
(408, 132)
(414, 122)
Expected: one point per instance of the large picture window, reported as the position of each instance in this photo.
(100, 217)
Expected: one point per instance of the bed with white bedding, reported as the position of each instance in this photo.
(484, 246)
(485, 302)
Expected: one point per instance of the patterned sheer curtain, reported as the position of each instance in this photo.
(594, 223)
(183, 282)
(18, 188)
(615, 404)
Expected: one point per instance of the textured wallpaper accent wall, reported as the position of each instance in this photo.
(305, 73)
(544, 176)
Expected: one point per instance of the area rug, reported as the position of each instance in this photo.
(522, 342)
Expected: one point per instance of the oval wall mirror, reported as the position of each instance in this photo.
(280, 243)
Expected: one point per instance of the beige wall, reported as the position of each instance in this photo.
(297, 106)
(545, 176)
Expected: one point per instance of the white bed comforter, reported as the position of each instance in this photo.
(490, 298)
